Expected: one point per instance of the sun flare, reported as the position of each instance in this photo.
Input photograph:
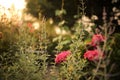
(11, 8)
(18, 4)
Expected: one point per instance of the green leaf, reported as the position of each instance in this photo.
(60, 12)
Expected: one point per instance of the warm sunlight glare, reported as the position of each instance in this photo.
(11, 9)
(18, 4)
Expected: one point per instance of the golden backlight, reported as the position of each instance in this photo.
(18, 4)
(10, 9)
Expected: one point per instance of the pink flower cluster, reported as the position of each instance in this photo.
(94, 54)
(91, 55)
(96, 39)
(62, 56)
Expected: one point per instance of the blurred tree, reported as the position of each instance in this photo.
(48, 8)
(33, 7)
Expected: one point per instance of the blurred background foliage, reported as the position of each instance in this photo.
(48, 8)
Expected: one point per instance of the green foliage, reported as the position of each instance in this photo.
(60, 12)
(32, 62)
(24, 57)
(72, 68)
(116, 47)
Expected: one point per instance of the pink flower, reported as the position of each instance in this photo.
(96, 39)
(62, 56)
(92, 55)
(29, 25)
